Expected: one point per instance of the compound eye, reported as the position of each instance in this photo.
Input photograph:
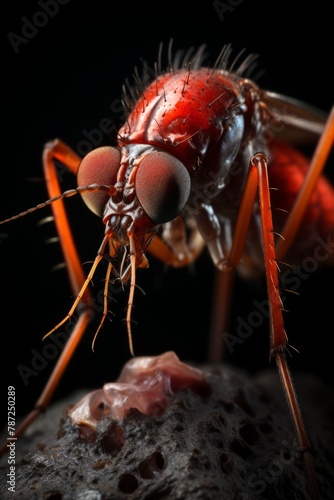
(100, 166)
(162, 186)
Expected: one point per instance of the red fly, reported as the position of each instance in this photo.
(193, 168)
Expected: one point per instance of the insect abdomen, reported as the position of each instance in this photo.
(287, 172)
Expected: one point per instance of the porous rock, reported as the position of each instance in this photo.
(237, 443)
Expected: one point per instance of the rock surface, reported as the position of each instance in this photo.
(238, 443)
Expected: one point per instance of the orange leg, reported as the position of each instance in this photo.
(173, 249)
(221, 306)
(57, 150)
(224, 281)
(257, 183)
(277, 332)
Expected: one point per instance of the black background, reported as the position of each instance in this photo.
(65, 80)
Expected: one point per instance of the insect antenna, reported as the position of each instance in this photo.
(91, 188)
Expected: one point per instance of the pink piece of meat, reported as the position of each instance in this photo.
(145, 383)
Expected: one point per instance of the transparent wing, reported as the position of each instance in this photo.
(301, 121)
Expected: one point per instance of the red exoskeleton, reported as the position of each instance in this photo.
(192, 170)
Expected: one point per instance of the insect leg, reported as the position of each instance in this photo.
(223, 291)
(173, 247)
(317, 165)
(57, 150)
(257, 183)
(278, 337)
(225, 274)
